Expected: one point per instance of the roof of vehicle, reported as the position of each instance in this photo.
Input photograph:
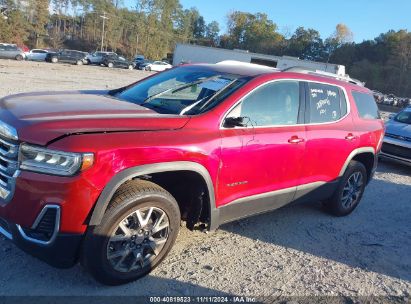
(74, 51)
(253, 70)
(238, 68)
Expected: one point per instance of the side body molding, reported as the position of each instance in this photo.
(134, 172)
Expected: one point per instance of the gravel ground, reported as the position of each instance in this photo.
(297, 250)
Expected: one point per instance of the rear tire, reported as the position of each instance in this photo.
(79, 62)
(130, 67)
(19, 58)
(350, 190)
(110, 65)
(136, 233)
(54, 60)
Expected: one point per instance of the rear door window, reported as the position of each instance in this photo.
(366, 105)
(326, 103)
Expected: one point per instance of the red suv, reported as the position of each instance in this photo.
(105, 177)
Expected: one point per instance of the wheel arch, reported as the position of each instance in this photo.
(144, 170)
(365, 155)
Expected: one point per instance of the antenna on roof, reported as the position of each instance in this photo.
(308, 71)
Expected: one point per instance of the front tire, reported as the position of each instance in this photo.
(130, 67)
(350, 190)
(19, 58)
(136, 233)
(54, 60)
(110, 65)
(79, 62)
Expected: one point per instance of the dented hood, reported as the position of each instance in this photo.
(41, 117)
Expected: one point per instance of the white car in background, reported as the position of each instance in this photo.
(158, 66)
(36, 55)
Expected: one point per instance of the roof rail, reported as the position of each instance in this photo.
(304, 70)
(245, 64)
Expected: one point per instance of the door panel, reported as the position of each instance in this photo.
(330, 133)
(255, 161)
(262, 156)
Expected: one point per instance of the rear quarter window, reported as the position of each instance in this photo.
(327, 103)
(366, 105)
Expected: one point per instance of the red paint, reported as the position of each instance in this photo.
(259, 160)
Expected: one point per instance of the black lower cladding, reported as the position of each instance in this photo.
(63, 252)
(266, 202)
(395, 150)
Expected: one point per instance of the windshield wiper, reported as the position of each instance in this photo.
(179, 88)
(207, 99)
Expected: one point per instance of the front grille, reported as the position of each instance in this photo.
(9, 150)
(396, 150)
(405, 138)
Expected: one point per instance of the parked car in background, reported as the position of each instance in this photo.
(379, 97)
(116, 61)
(158, 66)
(97, 57)
(142, 64)
(389, 99)
(11, 51)
(397, 140)
(138, 60)
(67, 56)
(36, 55)
(403, 102)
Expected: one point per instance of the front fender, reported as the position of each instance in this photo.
(130, 173)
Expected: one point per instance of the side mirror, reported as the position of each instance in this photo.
(232, 122)
(391, 116)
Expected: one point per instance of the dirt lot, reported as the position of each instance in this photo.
(297, 250)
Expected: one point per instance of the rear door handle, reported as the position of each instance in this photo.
(295, 140)
(351, 136)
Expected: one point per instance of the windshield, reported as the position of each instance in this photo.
(183, 90)
(404, 116)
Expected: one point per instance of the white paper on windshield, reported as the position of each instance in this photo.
(215, 84)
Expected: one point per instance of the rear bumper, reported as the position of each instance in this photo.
(63, 252)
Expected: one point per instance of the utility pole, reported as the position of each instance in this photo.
(137, 43)
(102, 33)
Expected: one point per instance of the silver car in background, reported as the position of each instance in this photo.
(11, 51)
(97, 57)
(36, 55)
(397, 140)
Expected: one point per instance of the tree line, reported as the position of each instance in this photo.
(153, 27)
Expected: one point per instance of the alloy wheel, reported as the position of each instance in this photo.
(352, 190)
(138, 239)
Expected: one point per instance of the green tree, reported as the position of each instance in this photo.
(306, 44)
(212, 32)
(254, 32)
(40, 18)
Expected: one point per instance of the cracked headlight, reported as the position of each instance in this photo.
(53, 162)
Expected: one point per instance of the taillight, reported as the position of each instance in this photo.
(382, 133)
